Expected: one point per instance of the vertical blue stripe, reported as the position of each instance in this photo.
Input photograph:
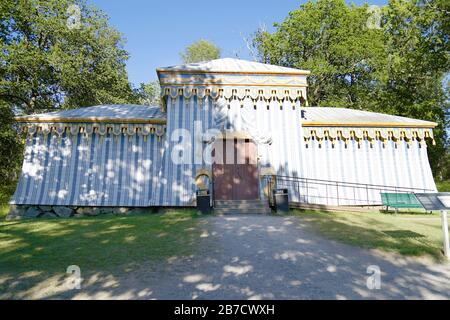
(60, 166)
(75, 167)
(136, 194)
(121, 168)
(179, 166)
(90, 166)
(36, 163)
(27, 188)
(107, 142)
(44, 155)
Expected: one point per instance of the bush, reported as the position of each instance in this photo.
(11, 147)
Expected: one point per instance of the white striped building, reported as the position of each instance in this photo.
(123, 155)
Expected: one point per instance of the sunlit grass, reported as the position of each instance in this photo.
(95, 243)
(443, 186)
(36, 250)
(409, 234)
(4, 208)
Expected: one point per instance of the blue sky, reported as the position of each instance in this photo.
(157, 31)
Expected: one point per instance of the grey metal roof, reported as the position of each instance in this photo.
(314, 116)
(116, 113)
(227, 65)
(351, 117)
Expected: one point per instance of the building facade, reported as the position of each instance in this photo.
(236, 127)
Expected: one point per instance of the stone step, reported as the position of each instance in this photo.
(241, 207)
(241, 201)
(225, 211)
(221, 203)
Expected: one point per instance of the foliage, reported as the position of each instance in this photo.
(6, 191)
(443, 186)
(416, 39)
(201, 50)
(148, 93)
(394, 67)
(55, 55)
(10, 148)
(330, 39)
(49, 61)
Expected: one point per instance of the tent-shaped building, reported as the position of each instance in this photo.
(239, 128)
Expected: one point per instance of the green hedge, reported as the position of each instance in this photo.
(6, 191)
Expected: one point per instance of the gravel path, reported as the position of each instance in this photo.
(268, 257)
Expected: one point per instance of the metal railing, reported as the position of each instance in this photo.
(331, 192)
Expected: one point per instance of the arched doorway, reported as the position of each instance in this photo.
(235, 170)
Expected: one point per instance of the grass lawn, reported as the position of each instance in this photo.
(405, 233)
(94, 243)
(443, 186)
(36, 250)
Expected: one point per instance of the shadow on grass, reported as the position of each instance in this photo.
(93, 243)
(406, 212)
(372, 232)
(403, 234)
(39, 251)
(234, 257)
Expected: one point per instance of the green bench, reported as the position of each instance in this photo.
(399, 200)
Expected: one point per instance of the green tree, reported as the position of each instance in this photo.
(59, 54)
(201, 50)
(395, 67)
(333, 41)
(416, 45)
(148, 93)
(54, 54)
(10, 146)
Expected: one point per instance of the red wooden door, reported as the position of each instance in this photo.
(246, 182)
(223, 181)
(237, 180)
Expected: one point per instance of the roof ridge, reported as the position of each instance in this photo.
(334, 116)
(116, 112)
(232, 65)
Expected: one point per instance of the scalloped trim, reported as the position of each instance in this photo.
(88, 128)
(358, 134)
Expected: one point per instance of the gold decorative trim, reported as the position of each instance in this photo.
(220, 84)
(58, 128)
(30, 119)
(369, 124)
(203, 172)
(198, 174)
(255, 93)
(280, 73)
(359, 134)
(174, 79)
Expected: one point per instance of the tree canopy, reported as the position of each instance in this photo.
(148, 93)
(201, 50)
(59, 54)
(55, 54)
(392, 60)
